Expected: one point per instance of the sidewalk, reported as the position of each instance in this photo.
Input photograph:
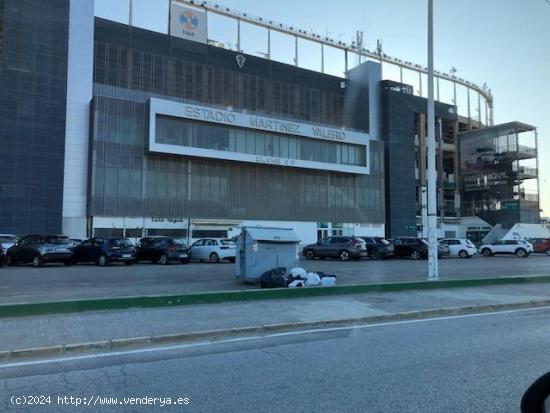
(66, 329)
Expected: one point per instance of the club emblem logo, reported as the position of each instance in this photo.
(241, 60)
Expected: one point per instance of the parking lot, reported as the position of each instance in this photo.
(26, 284)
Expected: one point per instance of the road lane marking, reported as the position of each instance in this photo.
(109, 354)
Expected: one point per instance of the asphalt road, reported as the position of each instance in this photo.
(479, 363)
(24, 283)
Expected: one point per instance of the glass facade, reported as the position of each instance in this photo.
(152, 63)
(184, 132)
(499, 174)
(126, 181)
(33, 82)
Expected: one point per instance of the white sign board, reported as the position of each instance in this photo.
(188, 23)
(251, 121)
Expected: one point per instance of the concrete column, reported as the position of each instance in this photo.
(322, 58)
(79, 95)
(469, 112)
(456, 168)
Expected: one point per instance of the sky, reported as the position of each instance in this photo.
(505, 43)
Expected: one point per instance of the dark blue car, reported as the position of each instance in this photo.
(103, 250)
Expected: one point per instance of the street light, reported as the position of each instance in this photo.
(433, 270)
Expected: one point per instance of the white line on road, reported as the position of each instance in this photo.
(250, 338)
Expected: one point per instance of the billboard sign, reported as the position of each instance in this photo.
(484, 181)
(168, 108)
(188, 23)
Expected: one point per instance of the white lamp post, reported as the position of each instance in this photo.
(433, 270)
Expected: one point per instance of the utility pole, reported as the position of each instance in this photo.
(433, 270)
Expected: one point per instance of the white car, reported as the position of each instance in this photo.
(213, 250)
(521, 248)
(460, 247)
(7, 241)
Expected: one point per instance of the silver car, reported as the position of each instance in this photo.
(7, 241)
(213, 250)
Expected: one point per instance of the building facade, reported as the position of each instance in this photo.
(33, 93)
(130, 132)
(181, 134)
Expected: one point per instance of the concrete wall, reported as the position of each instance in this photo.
(79, 95)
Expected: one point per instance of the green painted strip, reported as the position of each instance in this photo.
(21, 310)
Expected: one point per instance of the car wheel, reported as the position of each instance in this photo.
(522, 253)
(463, 254)
(548, 252)
(68, 263)
(344, 255)
(37, 261)
(232, 260)
(309, 254)
(102, 260)
(214, 258)
(487, 252)
(163, 259)
(9, 260)
(415, 255)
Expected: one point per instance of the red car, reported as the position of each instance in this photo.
(541, 245)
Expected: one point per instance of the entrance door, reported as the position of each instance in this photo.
(323, 229)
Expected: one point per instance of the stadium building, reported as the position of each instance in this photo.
(110, 129)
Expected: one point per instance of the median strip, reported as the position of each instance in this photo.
(122, 303)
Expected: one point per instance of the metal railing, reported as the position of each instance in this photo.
(270, 25)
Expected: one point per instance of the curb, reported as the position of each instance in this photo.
(123, 303)
(216, 335)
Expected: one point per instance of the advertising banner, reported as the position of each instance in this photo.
(188, 23)
(483, 182)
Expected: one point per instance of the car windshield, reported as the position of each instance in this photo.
(180, 242)
(7, 239)
(56, 240)
(122, 242)
(424, 241)
(382, 241)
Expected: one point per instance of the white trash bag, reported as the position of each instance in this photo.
(313, 279)
(298, 273)
(296, 284)
(328, 281)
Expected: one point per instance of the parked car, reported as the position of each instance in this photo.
(521, 248)
(75, 241)
(40, 249)
(541, 245)
(213, 250)
(416, 248)
(2, 256)
(336, 247)
(378, 248)
(104, 250)
(162, 250)
(460, 247)
(7, 241)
